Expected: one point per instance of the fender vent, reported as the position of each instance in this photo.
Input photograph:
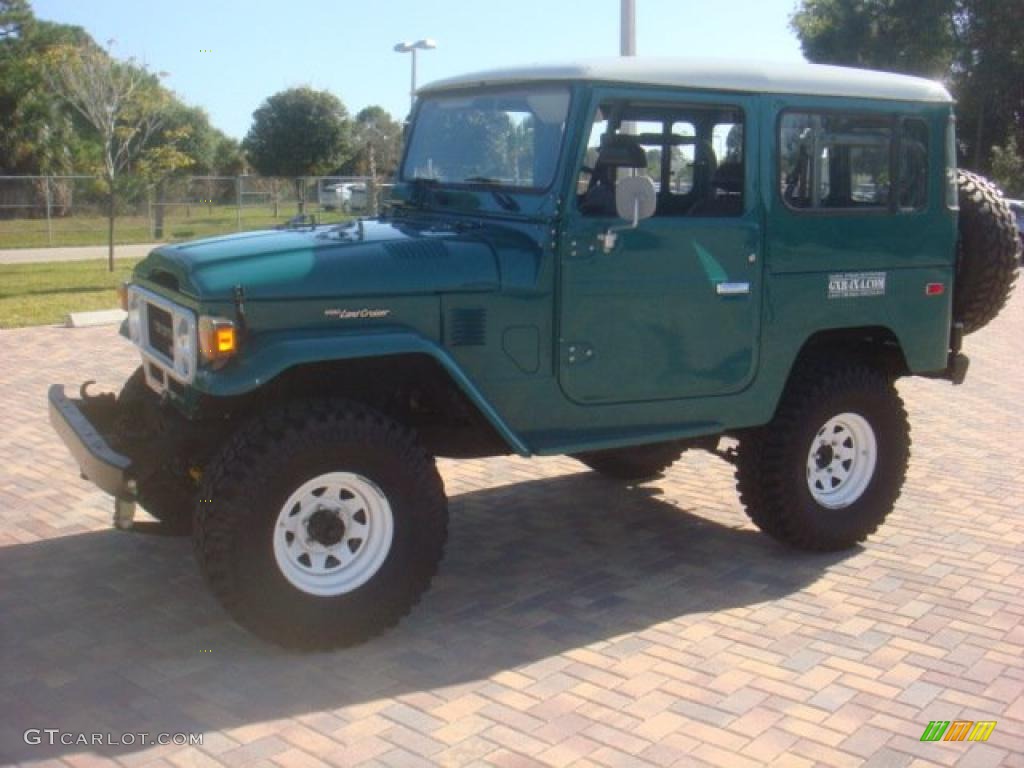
(467, 327)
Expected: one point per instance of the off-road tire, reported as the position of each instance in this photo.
(241, 496)
(987, 246)
(632, 465)
(168, 493)
(772, 462)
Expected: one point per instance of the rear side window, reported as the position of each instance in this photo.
(852, 162)
(835, 161)
(913, 170)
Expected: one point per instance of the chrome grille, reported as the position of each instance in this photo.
(160, 325)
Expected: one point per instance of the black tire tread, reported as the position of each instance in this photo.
(230, 486)
(765, 455)
(986, 252)
(167, 494)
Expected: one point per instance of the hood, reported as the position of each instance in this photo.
(360, 258)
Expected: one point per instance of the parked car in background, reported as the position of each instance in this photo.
(1017, 206)
(349, 197)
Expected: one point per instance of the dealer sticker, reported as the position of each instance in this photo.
(850, 285)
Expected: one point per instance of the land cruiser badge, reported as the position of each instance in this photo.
(357, 314)
(850, 285)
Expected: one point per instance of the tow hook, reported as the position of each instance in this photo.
(101, 407)
(124, 509)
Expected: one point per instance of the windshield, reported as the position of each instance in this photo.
(509, 137)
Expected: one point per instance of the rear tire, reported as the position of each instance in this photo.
(986, 252)
(320, 524)
(827, 470)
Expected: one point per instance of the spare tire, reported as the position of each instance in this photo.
(986, 264)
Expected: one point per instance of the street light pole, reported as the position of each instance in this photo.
(627, 29)
(427, 44)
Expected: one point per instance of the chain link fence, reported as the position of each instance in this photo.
(42, 211)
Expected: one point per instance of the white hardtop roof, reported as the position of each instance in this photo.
(751, 77)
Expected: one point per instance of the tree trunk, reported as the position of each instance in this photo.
(371, 185)
(110, 226)
(158, 217)
(300, 195)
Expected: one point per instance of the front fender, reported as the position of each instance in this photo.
(269, 355)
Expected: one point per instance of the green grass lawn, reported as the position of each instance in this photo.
(203, 221)
(41, 294)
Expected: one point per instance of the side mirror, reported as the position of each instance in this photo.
(635, 200)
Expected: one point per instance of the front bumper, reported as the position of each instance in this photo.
(101, 464)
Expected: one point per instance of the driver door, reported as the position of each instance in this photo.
(672, 310)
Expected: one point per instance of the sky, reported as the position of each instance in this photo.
(227, 56)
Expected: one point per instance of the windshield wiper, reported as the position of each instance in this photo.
(503, 199)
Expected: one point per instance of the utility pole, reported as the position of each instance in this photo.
(627, 29)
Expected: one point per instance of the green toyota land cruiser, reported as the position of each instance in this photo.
(618, 260)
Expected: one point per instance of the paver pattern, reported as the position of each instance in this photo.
(573, 621)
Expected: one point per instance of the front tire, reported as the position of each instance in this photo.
(827, 470)
(167, 492)
(320, 524)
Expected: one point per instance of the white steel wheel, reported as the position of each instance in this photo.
(841, 460)
(333, 534)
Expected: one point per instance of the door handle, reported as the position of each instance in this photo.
(732, 289)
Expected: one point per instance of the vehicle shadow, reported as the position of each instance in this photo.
(114, 632)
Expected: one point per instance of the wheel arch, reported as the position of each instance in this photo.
(372, 366)
(876, 344)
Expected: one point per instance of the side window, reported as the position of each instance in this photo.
(597, 129)
(682, 157)
(835, 161)
(726, 191)
(913, 176)
(650, 135)
(693, 155)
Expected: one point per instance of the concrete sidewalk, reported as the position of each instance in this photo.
(77, 253)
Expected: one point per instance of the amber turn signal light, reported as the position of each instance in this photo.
(218, 339)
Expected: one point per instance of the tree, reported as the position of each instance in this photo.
(15, 15)
(895, 35)
(1008, 167)
(38, 134)
(121, 101)
(299, 132)
(988, 75)
(228, 159)
(376, 141)
(973, 45)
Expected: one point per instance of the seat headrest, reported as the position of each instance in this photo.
(621, 150)
(729, 176)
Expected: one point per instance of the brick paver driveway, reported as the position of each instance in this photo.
(572, 620)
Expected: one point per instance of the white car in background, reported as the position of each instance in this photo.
(347, 196)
